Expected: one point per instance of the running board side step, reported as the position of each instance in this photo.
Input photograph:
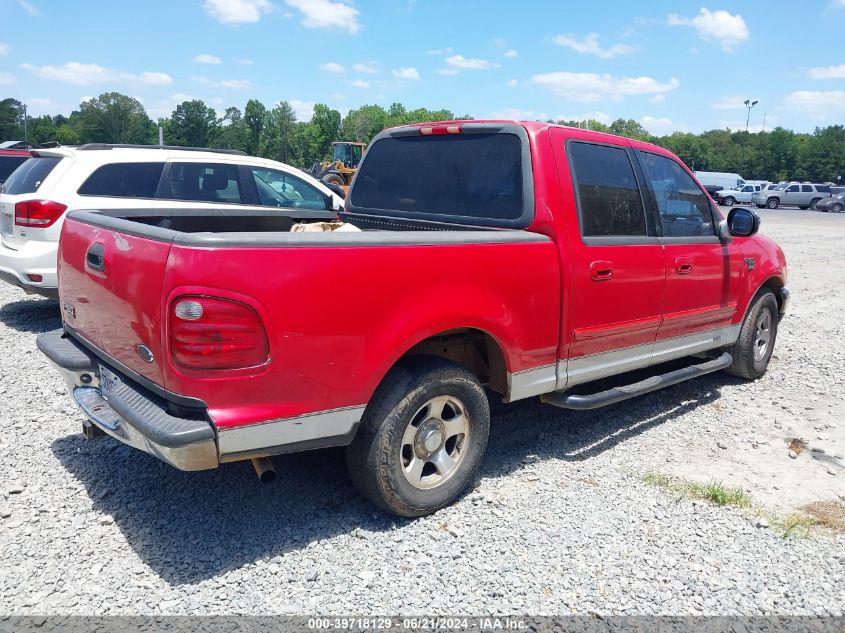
(652, 383)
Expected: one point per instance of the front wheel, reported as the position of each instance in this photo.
(729, 201)
(772, 203)
(753, 348)
(422, 437)
(837, 208)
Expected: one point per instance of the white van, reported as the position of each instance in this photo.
(715, 181)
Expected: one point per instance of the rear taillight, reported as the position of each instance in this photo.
(215, 333)
(38, 213)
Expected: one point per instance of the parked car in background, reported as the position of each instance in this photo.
(10, 160)
(742, 194)
(36, 198)
(714, 181)
(834, 204)
(803, 195)
(527, 259)
(834, 189)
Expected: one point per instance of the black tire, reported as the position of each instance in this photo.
(378, 455)
(746, 363)
(813, 202)
(761, 206)
(334, 178)
(837, 208)
(772, 203)
(729, 201)
(804, 208)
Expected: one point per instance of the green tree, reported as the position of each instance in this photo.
(232, 132)
(254, 115)
(363, 124)
(278, 132)
(630, 128)
(113, 118)
(192, 124)
(327, 122)
(11, 120)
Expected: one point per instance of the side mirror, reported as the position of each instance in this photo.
(743, 222)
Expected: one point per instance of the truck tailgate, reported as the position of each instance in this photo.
(111, 293)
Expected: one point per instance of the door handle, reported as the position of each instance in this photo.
(601, 270)
(683, 265)
(95, 257)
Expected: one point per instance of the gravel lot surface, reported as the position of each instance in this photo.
(561, 521)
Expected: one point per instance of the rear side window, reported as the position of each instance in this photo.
(806, 189)
(608, 194)
(28, 177)
(8, 164)
(124, 180)
(475, 176)
(205, 182)
(823, 188)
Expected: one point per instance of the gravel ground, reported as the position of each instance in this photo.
(561, 521)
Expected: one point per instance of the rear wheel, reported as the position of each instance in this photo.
(753, 349)
(814, 202)
(334, 179)
(729, 201)
(422, 437)
(772, 203)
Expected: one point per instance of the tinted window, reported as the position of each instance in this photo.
(806, 189)
(278, 189)
(823, 188)
(608, 194)
(28, 177)
(467, 175)
(205, 182)
(684, 208)
(124, 180)
(792, 188)
(8, 164)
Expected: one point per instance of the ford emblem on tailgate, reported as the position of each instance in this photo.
(145, 353)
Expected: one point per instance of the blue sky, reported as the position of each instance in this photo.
(671, 65)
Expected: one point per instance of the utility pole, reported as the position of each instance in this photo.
(749, 104)
(25, 133)
(764, 121)
(160, 135)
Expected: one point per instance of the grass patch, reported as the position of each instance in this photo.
(827, 513)
(714, 492)
(796, 524)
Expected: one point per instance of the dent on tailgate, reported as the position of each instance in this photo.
(119, 308)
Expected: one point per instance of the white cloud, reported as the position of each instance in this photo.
(590, 46)
(318, 14)
(304, 110)
(519, 114)
(30, 8)
(512, 83)
(89, 74)
(601, 117)
(658, 99)
(244, 61)
(817, 104)
(233, 84)
(7, 79)
(659, 126)
(715, 26)
(4, 48)
(205, 58)
(589, 87)
(447, 71)
(407, 73)
(731, 102)
(511, 53)
(365, 68)
(828, 72)
(163, 107)
(237, 11)
(360, 83)
(332, 67)
(469, 63)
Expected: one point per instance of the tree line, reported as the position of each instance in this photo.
(275, 132)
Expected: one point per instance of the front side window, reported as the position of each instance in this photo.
(278, 189)
(792, 188)
(28, 177)
(684, 208)
(123, 180)
(205, 182)
(608, 194)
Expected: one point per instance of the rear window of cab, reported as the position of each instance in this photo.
(472, 178)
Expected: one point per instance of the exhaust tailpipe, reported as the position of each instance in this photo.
(264, 469)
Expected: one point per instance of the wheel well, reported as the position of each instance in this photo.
(774, 284)
(476, 350)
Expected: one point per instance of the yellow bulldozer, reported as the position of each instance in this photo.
(346, 155)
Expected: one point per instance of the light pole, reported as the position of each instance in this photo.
(749, 104)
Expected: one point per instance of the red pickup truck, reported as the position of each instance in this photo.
(524, 258)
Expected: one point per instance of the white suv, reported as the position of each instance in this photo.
(38, 194)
